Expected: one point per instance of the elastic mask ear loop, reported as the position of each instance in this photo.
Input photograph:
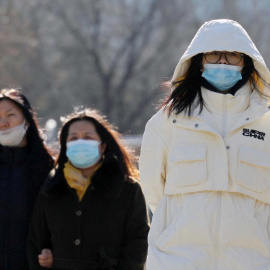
(102, 155)
(25, 125)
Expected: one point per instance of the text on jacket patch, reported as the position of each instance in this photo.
(253, 133)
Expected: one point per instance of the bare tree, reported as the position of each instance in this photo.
(111, 55)
(123, 41)
(21, 52)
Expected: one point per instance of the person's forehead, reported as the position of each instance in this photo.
(84, 125)
(9, 105)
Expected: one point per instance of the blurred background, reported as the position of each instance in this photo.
(112, 55)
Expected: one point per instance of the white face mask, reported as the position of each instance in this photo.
(13, 136)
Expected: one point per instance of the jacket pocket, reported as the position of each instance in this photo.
(254, 169)
(171, 235)
(188, 165)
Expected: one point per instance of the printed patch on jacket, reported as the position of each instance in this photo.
(253, 133)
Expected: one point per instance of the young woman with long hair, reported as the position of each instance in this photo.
(204, 164)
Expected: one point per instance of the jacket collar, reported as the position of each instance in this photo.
(107, 180)
(217, 102)
(256, 107)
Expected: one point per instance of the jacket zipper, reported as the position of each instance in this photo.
(217, 226)
(224, 117)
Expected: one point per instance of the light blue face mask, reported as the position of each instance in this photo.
(222, 76)
(83, 153)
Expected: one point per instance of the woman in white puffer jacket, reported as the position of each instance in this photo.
(205, 158)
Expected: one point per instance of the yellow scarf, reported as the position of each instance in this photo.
(76, 180)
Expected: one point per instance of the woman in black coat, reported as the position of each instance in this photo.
(91, 213)
(24, 165)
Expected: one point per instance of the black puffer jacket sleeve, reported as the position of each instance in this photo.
(136, 230)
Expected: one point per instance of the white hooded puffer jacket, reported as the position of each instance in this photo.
(207, 177)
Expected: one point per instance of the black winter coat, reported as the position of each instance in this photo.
(107, 230)
(18, 191)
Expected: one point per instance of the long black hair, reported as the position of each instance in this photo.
(39, 159)
(187, 95)
(116, 153)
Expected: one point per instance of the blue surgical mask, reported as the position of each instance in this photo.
(222, 76)
(83, 153)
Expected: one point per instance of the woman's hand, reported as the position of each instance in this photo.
(45, 259)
